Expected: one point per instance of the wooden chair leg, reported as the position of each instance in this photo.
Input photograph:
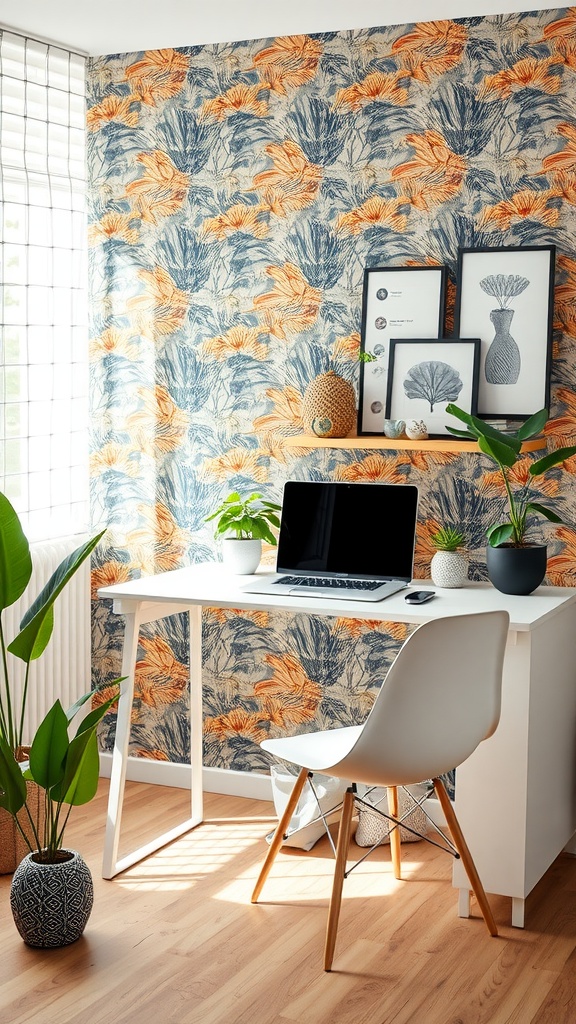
(339, 872)
(278, 837)
(462, 847)
(395, 841)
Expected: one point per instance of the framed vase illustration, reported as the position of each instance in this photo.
(505, 297)
(397, 302)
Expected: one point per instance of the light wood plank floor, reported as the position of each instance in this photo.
(175, 940)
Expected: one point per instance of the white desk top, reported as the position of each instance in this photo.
(211, 585)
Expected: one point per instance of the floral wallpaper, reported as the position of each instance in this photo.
(237, 192)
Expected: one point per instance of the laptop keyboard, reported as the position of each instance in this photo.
(329, 583)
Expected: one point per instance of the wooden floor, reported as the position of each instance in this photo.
(175, 940)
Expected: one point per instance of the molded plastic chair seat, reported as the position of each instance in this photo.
(440, 699)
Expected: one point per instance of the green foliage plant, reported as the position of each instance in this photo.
(248, 518)
(37, 624)
(66, 770)
(505, 450)
(447, 539)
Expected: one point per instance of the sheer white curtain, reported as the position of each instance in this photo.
(43, 316)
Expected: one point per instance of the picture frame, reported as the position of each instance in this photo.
(505, 296)
(426, 374)
(397, 302)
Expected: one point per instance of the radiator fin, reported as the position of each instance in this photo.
(63, 670)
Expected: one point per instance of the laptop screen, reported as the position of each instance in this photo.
(343, 529)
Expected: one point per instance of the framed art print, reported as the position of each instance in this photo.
(425, 375)
(397, 302)
(505, 296)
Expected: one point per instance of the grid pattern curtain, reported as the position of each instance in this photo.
(43, 315)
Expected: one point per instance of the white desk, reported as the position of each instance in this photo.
(516, 795)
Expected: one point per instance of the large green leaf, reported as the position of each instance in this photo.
(479, 428)
(552, 459)
(533, 506)
(15, 560)
(503, 454)
(12, 784)
(465, 417)
(94, 717)
(461, 433)
(501, 534)
(534, 425)
(37, 624)
(80, 781)
(49, 748)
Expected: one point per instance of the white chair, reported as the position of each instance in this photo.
(440, 699)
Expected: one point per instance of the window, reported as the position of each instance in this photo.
(43, 293)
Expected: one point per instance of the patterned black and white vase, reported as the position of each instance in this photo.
(51, 903)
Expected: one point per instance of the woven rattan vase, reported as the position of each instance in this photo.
(329, 406)
(13, 849)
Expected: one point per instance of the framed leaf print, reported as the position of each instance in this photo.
(425, 375)
(397, 302)
(505, 296)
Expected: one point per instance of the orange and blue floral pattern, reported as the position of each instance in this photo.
(237, 192)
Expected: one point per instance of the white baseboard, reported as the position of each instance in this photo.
(252, 785)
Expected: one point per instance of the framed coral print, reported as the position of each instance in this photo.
(505, 296)
(397, 302)
(424, 375)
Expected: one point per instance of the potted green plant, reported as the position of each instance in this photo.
(449, 566)
(248, 521)
(35, 631)
(51, 893)
(515, 564)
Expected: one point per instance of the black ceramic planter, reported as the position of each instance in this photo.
(516, 570)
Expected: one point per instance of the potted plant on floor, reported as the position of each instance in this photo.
(249, 521)
(51, 894)
(515, 564)
(30, 643)
(449, 566)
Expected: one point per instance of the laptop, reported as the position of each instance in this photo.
(353, 541)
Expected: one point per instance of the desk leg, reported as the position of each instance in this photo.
(463, 902)
(120, 754)
(518, 908)
(111, 866)
(196, 740)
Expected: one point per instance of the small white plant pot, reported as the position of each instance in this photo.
(241, 557)
(449, 569)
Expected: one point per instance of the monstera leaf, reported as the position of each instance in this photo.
(433, 381)
(504, 286)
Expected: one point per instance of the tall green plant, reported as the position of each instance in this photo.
(65, 769)
(505, 451)
(38, 622)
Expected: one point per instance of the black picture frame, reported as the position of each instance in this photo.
(425, 374)
(516, 353)
(411, 302)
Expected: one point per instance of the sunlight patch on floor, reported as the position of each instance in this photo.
(192, 857)
(197, 855)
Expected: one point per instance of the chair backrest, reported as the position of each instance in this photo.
(440, 699)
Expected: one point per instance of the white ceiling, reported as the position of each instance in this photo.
(125, 26)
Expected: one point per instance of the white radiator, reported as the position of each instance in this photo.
(63, 670)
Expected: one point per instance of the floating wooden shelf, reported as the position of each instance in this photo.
(375, 443)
